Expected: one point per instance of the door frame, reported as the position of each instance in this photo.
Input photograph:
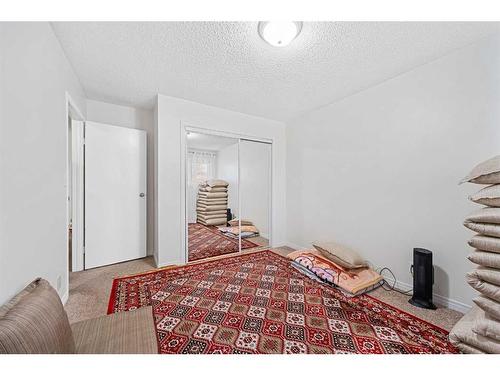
(73, 111)
(189, 127)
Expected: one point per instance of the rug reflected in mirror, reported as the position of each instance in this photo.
(207, 242)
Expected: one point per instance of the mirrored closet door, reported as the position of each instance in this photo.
(228, 187)
(211, 194)
(255, 194)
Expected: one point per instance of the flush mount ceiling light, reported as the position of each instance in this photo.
(279, 33)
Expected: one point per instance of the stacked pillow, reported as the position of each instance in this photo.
(211, 205)
(236, 222)
(479, 330)
(340, 254)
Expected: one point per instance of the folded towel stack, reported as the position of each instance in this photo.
(211, 205)
(479, 330)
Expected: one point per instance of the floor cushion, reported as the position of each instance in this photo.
(485, 258)
(212, 195)
(129, 332)
(217, 183)
(214, 221)
(490, 275)
(484, 228)
(488, 215)
(488, 305)
(487, 326)
(489, 290)
(489, 196)
(464, 338)
(485, 243)
(487, 172)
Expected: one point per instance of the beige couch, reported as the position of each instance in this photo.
(34, 321)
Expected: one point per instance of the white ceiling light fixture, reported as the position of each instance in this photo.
(279, 33)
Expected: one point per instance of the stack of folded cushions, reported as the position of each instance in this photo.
(236, 222)
(211, 205)
(479, 330)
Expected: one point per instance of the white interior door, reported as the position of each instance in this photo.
(115, 194)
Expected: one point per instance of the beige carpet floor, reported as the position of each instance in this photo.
(261, 241)
(89, 292)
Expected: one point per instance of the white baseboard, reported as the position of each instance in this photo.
(437, 299)
(295, 246)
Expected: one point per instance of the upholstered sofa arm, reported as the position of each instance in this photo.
(35, 322)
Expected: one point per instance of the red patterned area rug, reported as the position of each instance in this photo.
(206, 242)
(258, 303)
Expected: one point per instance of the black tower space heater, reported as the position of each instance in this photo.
(423, 279)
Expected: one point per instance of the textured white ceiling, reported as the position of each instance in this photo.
(226, 64)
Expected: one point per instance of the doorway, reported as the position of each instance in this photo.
(74, 191)
(107, 182)
(227, 194)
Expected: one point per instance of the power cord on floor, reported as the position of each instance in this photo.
(389, 287)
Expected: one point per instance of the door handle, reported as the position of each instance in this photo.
(142, 195)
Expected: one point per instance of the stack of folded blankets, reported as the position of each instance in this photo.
(211, 205)
(479, 330)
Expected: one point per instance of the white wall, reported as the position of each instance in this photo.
(171, 113)
(227, 169)
(135, 118)
(379, 170)
(35, 76)
(255, 186)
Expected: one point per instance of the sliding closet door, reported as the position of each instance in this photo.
(255, 194)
